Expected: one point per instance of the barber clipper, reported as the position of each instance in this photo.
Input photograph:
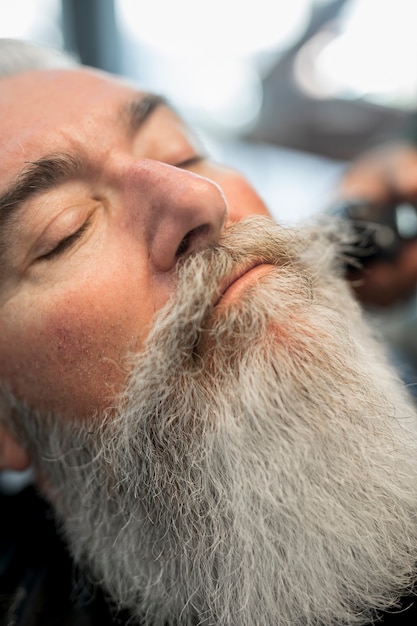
(381, 229)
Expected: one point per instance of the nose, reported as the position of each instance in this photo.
(179, 211)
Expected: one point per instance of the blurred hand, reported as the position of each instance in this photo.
(385, 283)
(382, 176)
(388, 173)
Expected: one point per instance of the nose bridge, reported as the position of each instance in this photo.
(172, 206)
(165, 185)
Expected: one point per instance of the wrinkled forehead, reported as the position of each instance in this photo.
(26, 92)
(37, 106)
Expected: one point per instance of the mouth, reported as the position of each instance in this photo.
(232, 286)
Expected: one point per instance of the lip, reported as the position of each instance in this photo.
(232, 286)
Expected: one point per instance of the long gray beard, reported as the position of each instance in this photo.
(260, 467)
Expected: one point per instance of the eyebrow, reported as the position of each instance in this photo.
(140, 108)
(35, 178)
(40, 176)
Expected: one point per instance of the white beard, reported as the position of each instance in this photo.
(263, 475)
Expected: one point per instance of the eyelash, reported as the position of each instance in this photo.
(195, 160)
(66, 243)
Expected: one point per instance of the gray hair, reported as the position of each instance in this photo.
(17, 56)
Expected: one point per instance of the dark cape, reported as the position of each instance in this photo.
(39, 583)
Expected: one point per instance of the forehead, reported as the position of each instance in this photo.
(38, 110)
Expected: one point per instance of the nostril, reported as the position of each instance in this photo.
(184, 245)
(190, 237)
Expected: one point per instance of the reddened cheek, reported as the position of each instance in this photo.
(63, 348)
(68, 358)
(242, 199)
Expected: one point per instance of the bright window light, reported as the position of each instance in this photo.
(208, 57)
(373, 57)
(37, 20)
(232, 27)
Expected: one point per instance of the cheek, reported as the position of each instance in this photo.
(242, 199)
(66, 352)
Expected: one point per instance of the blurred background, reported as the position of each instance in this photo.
(287, 91)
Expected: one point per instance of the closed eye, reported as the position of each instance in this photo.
(194, 160)
(65, 244)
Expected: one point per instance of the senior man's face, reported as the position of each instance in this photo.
(102, 189)
(251, 458)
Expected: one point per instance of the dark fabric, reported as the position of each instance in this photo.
(40, 586)
(406, 615)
